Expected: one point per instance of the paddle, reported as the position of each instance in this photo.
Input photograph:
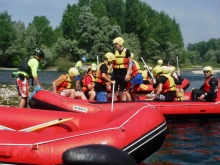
(6, 128)
(97, 60)
(43, 125)
(113, 95)
(177, 62)
(148, 69)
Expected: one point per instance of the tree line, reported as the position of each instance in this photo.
(88, 29)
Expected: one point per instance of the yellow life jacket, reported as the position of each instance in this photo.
(121, 61)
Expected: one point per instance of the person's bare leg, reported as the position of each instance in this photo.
(133, 96)
(80, 94)
(78, 84)
(128, 96)
(70, 93)
(92, 95)
(23, 102)
(122, 96)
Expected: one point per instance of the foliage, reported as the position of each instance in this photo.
(88, 29)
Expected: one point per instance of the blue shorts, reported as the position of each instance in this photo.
(101, 97)
(77, 78)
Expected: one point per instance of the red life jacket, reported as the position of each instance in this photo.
(85, 85)
(169, 85)
(99, 75)
(135, 69)
(65, 84)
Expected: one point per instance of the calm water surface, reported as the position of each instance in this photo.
(188, 142)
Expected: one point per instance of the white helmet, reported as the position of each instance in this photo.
(73, 72)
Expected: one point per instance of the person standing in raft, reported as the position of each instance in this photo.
(102, 78)
(89, 83)
(79, 67)
(63, 85)
(136, 79)
(121, 70)
(208, 91)
(26, 70)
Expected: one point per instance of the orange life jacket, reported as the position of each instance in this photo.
(99, 75)
(169, 85)
(135, 69)
(85, 85)
(121, 61)
(65, 84)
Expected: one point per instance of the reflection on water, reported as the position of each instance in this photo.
(192, 142)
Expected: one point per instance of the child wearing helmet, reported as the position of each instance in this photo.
(79, 66)
(89, 83)
(208, 91)
(63, 85)
(121, 70)
(26, 70)
(102, 77)
(136, 79)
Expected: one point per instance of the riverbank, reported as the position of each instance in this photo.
(8, 95)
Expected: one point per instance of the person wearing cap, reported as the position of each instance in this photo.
(63, 85)
(102, 77)
(89, 83)
(208, 91)
(28, 70)
(79, 67)
(136, 79)
(121, 69)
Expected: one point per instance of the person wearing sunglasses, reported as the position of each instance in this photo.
(208, 91)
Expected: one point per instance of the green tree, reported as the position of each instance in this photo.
(7, 34)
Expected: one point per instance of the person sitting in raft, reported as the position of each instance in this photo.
(146, 75)
(102, 77)
(79, 67)
(176, 75)
(208, 91)
(136, 79)
(89, 84)
(63, 85)
(165, 84)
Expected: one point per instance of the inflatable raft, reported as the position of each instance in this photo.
(178, 109)
(33, 137)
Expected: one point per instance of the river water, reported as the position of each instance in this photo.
(188, 142)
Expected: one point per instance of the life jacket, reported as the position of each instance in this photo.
(207, 86)
(121, 61)
(135, 69)
(67, 84)
(169, 85)
(24, 67)
(85, 85)
(145, 75)
(99, 75)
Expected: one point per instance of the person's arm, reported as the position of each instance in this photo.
(54, 87)
(89, 82)
(213, 82)
(33, 63)
(57, 82)
(159, 90)
(104, 71)
(127, 77)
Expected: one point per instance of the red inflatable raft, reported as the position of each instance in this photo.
(185, 109)
(138, 132)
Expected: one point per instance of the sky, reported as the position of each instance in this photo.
(198, 19)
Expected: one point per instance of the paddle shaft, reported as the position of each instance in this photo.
(6, 128)
(113, 95)
(148, 69)
(97, 60)
(43, 125)
(177, 62)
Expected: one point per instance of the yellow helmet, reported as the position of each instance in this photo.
(132, 56)
(157, 70)
(94, 68)
(159, 62)
(73, 72)
(165, 69)
(172, 69)
(93, 64)
(110, 56)
(208, 68)
(118, 40)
